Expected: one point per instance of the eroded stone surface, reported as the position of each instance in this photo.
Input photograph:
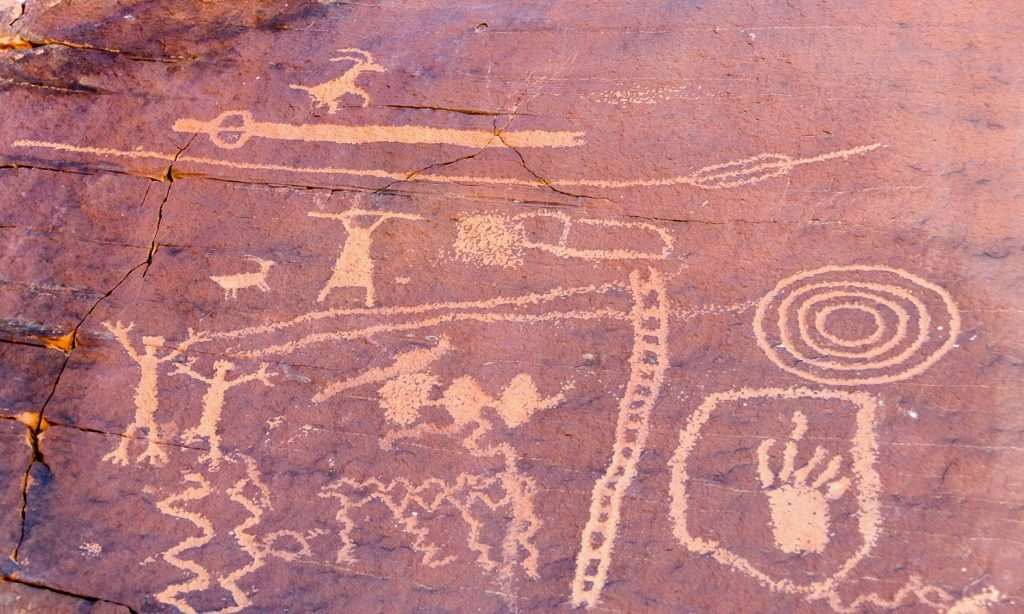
(358, 307)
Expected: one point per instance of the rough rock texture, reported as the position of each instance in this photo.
(497, 307)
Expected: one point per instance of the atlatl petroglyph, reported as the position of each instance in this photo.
(213, 401)
(240, 281)
(799, 506)
(330, 93)
(648, 363)
(354, 267)
(912, 323)
(148, 361)
(233, 129)
(733, 174)
(501, 240)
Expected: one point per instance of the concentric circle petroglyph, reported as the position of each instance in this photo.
(853, 325)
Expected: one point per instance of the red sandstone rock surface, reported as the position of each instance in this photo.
(499, 307)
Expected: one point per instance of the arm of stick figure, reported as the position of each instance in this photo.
(120, 333)
(185, 368)
(193, 338)
(260, 375)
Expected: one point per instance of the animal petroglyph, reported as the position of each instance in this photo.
(330, 93)
(715, 177)
(501, 240)
(860, 324)
(146, 392)
(799, 506)
(240, 281)
(648, 363)
(213, 402)
(233, 129)
(354, 267)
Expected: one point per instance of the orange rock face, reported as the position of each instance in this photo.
(514, 307)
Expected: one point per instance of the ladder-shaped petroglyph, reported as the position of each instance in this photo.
(648, 363)
(748, 171)
(501, 240)
(799, 505)
(248, 492)
(330, 93)
(149, 360)
(354, 266)
(241, 281)
(859, 324)
(233, 129)
(213, 402)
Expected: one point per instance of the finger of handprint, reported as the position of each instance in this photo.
(830, 472)
(788, 460)
(801, 475)
(764, 472)
(837, 489)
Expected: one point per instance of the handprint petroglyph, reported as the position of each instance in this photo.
(798, 505)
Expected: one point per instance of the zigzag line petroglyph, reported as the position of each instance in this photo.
(200, 576)
(926, 594)
(717, 176)
(648, 364)
(253, 495)
(809, 300)
(465, 400)
(246, 541)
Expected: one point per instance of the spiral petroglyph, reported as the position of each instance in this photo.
(853, 325)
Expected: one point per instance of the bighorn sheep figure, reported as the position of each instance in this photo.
(239, 281)
(330, 93)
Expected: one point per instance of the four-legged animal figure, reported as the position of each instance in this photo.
(330, 93)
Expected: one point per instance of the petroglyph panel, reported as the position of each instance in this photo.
(362, 307)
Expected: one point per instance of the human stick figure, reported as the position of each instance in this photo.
(146, 391)
(213, 402)
(354, 267)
